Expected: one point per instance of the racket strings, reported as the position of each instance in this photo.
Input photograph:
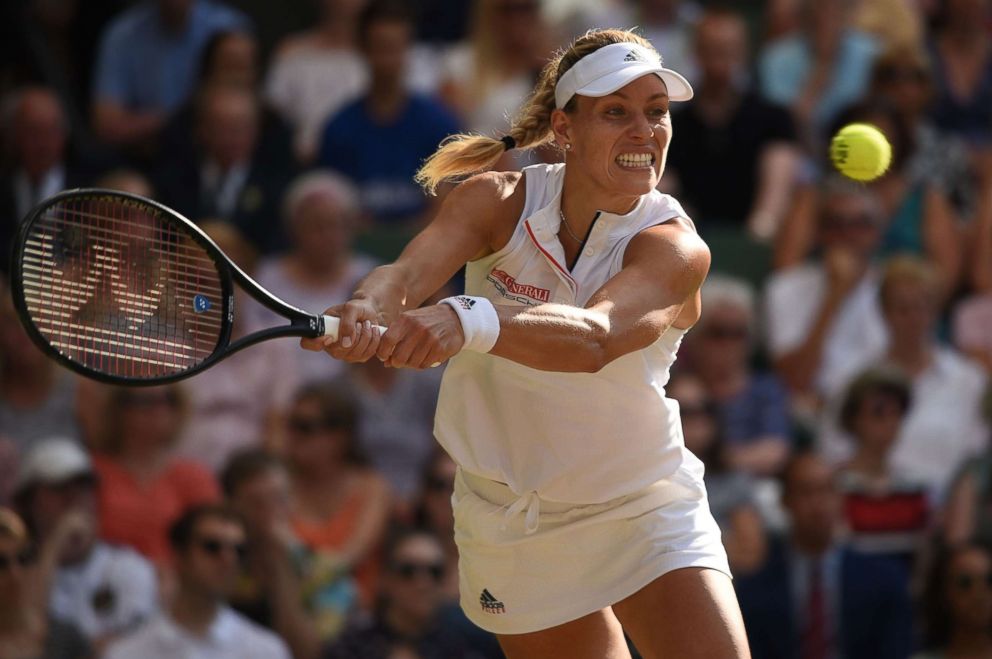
(113, 285)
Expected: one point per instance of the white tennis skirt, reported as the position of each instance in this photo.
(527, 564)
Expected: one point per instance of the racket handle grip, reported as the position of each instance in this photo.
(331, 324)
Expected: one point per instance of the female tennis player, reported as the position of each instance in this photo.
(578, 511)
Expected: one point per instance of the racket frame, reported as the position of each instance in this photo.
(302, 323)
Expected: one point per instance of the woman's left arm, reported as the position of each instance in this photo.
(663, 268)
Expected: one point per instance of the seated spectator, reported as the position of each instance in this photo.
(103, 590)
(303, 595)
(230, 59)
(230, 179)
(241, 402)
(320, 214)
(729, 133)
(918, 216)
(405, 622)
(753, 407)
(968, 515)
(957, 604)
(27, 629)
(396, 429)
(973, 316)
(40, 163)
(340, 506)
(315, 73)
(37, 396)
(944, 426)
(731, 493)
(963, 63)
(381, 139)
(822, 317)
(819, 69)
(886, 513)
(815, 598)
(489, 76)
(146, 67)
(143, 488)
(207, 542)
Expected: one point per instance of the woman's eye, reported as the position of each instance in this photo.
(659, 113)
(615, 112)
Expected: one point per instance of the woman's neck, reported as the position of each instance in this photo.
(194, 612)
(970, 642)
(869, 462)
(913, 357)
(142, 458)
(15, 618)
(580, 208)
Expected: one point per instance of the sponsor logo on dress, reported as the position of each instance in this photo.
(509, 287)
(489, 603)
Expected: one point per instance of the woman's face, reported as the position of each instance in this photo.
(970, 588)
(619, 142)
(878, 420)
(150, 415)
(12, 559)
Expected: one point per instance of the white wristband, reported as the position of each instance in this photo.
(479, 321)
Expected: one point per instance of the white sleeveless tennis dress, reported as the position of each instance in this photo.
(574, 490)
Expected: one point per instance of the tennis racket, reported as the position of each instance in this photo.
(125, 290)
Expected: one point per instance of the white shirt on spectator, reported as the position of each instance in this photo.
(793, 299)
(230, 636)
(944, 426)
(111, 592)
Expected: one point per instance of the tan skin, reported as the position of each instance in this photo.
(686, 613)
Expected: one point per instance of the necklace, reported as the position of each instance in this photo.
(561, 214)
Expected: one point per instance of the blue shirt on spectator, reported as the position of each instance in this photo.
(381, 158)
(760, 410)
(143, 65)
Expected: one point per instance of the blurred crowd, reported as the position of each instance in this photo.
(283, 504)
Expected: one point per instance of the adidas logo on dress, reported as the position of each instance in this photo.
(490, 604)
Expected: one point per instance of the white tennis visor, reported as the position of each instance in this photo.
(611, 67)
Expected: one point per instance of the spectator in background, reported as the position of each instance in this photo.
(815, 598)
(822, 317)
(315, 73)
(944, 426)
(488, 77)
(208, 542)
(887, 513)
(380, 139)
(282, 585)
(968, 515)
(143, 488)
(730, 134)
(396, 427)
(903, 79)
(320, 212)
(36, 395)
(405, 622)
(38, 164)
(919, 218)
(820, 69)
(230, 179)
(27, 629)
(962, 55)
(730, 492)
(147, 64)
(230, 59)
(340, 506)
(752, 407)
(103, 590)
(241, 402)
(957, 604)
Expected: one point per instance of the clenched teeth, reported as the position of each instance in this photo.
(635, 159)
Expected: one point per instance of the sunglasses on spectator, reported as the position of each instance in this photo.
(409, 570)
(969, 581)
(309, 426)
(149, 400)
(8, 561)
(727, 332)
(216, 547)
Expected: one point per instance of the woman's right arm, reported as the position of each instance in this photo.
(476, 218)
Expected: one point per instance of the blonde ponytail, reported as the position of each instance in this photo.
(467, 153)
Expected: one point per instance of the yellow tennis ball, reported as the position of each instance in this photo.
(861, 152)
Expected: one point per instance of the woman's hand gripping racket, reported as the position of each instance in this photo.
(125, 290)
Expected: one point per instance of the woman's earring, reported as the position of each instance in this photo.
(568, 145)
